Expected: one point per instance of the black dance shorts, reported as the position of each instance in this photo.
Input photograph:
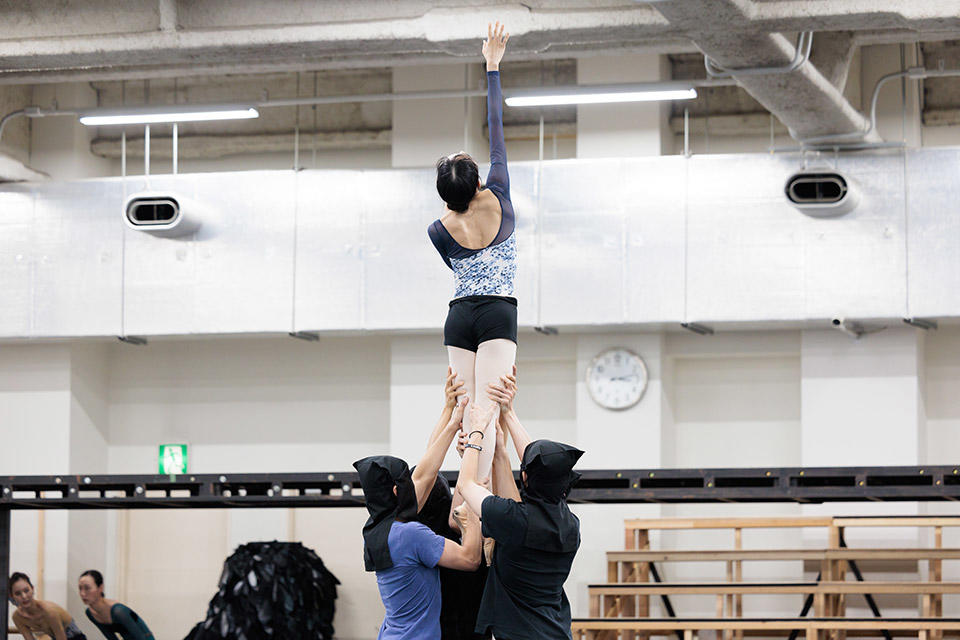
(473, 320)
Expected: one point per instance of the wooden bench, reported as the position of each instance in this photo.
(613, 600)
(834, 559)
(812, 628)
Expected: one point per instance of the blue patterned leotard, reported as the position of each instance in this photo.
(489, 271)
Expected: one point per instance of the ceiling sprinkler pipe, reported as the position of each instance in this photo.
(801, 56)
(32, 112)
(914, 73)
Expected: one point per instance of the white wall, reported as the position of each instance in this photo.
(249, 405)
(277, 404)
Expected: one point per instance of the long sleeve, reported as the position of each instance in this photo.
(498, 178)
(134, 628)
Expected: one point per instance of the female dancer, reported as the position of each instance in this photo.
(537, 535)
(475, 238)
(111, 617)
(39, 616)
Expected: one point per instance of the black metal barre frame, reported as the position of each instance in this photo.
(308, 490)
(342, 489)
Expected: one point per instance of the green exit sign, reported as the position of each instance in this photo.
(173, 459)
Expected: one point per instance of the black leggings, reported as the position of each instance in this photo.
(473, 320)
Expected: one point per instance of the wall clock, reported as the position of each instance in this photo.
(617, 379)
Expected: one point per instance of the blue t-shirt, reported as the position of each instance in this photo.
(410, 589)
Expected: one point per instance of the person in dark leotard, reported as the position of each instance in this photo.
(111, 617)
(38, 617)
(476, 239)
(460, 591)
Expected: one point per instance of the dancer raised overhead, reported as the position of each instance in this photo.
(476, 239)
(536, 533)
(35, 618)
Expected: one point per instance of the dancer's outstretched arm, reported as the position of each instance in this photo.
(425, 475)
(504, 484)
(471, 490)
(504, 393)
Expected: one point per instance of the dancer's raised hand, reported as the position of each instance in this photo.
(494, 46)
(456, 418)
(453, 389)
(504, 391)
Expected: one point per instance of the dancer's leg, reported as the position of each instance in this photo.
(463, 363)
(494, 359)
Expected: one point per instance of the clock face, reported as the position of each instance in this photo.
(617, 379)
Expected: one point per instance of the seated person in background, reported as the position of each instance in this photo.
(403, 552)
(111, 617)
(38, 617)
(536, 533)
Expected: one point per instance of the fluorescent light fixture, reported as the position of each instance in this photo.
(599, 94)
(167, 113)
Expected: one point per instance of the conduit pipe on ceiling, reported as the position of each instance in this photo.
(841, 139)
(35, 112)
(800, 57)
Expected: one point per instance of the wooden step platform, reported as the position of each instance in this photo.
(731, 555)
(588, 628)
(726, 588)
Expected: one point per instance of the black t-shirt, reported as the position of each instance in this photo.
(523, 598)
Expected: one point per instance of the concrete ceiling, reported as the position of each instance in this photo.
(188, 49)
(58, 40)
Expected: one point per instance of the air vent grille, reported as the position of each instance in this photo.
(146, 212)
(816, 188)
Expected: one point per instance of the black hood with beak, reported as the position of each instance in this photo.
(550, 475)
(378, 477)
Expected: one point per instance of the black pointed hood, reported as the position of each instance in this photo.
(550, 475)
(378, 476)
(436, 510)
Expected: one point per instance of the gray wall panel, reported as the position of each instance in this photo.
(933, 235)
(654, 193)
(602, 242)
(78, 271)
(854, 265)
(583, 251)
(17, 257)
(234, 275)
(524, 180)
(743, 255)
(406, 284)
(329, 265)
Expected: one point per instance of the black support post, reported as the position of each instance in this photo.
(4, 568)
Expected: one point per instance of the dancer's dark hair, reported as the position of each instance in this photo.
(457, 177)
(96, 575)
(16, 577)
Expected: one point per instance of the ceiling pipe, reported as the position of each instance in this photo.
(800, 57)
(857, 137)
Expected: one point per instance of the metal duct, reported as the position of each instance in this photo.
(640, 241)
